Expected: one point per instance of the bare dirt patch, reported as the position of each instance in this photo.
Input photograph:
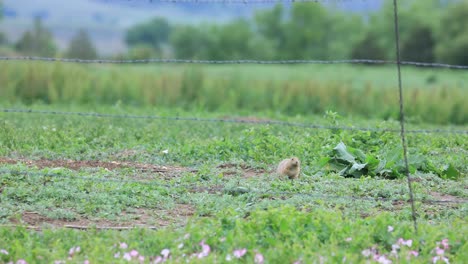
(234, 169)
(154, 218)
(446, 197)
(110, 165)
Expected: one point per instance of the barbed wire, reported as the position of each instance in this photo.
(187, 61)
(225, 189)
(232, 120)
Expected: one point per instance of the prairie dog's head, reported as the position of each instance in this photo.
(294, 162)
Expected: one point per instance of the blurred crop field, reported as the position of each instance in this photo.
(208, 190)
(434, 96)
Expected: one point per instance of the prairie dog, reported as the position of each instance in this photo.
(290, 167)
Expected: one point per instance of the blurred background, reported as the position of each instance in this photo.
(431, 31)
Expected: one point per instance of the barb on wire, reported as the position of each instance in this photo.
(230, 120)
(212, 189)
(186, 61)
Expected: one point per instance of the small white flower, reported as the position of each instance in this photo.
(165, 253)
(366, 253)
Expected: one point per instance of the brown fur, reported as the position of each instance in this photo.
(290, 167)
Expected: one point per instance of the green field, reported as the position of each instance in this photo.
(432, 95)
(197, 181)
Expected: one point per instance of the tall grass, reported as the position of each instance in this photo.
(431, 96)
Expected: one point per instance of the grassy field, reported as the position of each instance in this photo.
(210, 190)
(432, 95)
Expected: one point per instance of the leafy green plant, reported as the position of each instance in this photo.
(353, 162)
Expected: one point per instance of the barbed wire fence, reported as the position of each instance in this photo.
(196, 187)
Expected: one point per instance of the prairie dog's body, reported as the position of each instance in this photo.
(290, 167)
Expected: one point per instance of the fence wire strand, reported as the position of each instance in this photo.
(232, 120)
(187, 61)
(224, 189)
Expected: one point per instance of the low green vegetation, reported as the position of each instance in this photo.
(215, 181)
(279, 235)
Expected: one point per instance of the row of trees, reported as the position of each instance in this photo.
(432, 30)
(39, 42)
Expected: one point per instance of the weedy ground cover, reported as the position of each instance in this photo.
(214, 181)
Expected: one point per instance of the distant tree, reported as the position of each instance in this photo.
(418, 45)
(39, 42)
(368, 48)
(452, 40)
(190, 42)
(270, 25)
(232, 41)
(412, 16)
(81, 46)
(306, 32)
(153, 33)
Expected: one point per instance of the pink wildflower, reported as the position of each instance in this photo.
(297, 262)
(383, 260)
(259, 259)
(440, 251)
(134, 253)
(117, 255)
(205, 250)
(141, 259)
(239, 253)
(127, 256)
(86, 262)
(158, 259)
(408, 242)
(123, 245)
(73, 250)
(445, 243)
(21, 261)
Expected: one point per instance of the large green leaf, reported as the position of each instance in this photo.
(342, 153)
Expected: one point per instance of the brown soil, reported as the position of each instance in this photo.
(153, 218)
(78, 164)
(247, 172)
(446, 197)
